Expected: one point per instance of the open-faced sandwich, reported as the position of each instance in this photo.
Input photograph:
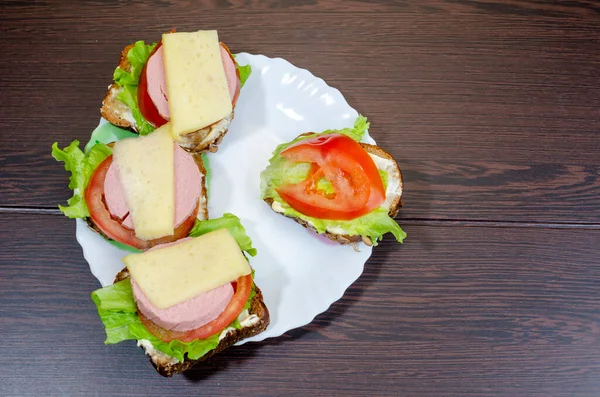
(186, 301)
(335, 185)
(140, 191)
(187, 78)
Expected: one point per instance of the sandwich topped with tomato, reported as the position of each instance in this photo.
(336, 185)
(140, 191)
(186, 301)
(188, 78)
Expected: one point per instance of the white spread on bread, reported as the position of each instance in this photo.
(122, 112)
(277, 207)
(250, 320)
(245, 319)
(157, 355)
(217, 130)
(393, 190)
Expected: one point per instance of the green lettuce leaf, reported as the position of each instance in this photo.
(137, 57)
(245, 71)
(175, 348)
(118, 312)
(281, 171)
(357, 132)
(384, 177)
(249, 301)
(208, 176)
(129, 80)
(81, 166)
(361, 125)
(107, 133)
(122, 246)
(129, 97)
(232, 223)
(325, 186)
(281, 147)
(373, 225)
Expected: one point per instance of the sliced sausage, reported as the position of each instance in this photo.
(188, 186)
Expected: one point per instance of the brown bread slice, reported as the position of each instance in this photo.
(168, 366)
(116, 112)
(394, 204)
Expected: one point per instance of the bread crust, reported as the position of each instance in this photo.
(165, 366)
(116, 112)
(113, 110)
(206, 139)
(394, 206)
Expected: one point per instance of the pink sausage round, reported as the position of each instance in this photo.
(157, 85)
(188, 187)
(188, 315)
(230, 71)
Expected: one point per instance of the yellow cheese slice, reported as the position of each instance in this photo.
(196, 81)
(174, 274)
(146, 170)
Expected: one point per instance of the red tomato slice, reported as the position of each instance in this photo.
(343, 161)
(94, 198)
(243, 287)
(145, 103)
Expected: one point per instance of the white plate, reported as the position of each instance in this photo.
(300, 273)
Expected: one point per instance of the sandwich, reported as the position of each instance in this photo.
(186, 301)
(336, 185)
(188, 78)
(138, 192)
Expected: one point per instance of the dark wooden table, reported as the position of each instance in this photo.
(492, 109)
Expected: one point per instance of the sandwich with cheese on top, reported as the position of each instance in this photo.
(336, 185)
(140, 191)
(186, 301)
(188, 78)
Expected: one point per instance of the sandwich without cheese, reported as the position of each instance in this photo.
(332, 183)
(190, 79)
(140, 192)
(186, 301)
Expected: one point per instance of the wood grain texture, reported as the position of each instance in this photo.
(492, 108)
(458, 311)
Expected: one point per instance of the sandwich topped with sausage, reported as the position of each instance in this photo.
(186, 301)
(141, 191)
(336, 185)
(188, 78)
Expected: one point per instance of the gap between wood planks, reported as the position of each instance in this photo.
(402, 221)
